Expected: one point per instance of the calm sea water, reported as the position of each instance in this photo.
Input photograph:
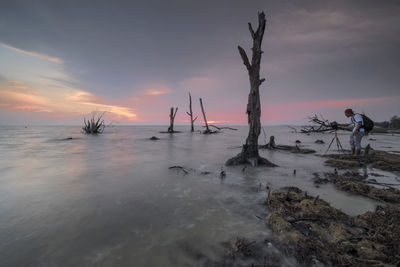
(110, 200)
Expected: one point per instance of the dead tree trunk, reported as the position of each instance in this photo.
(205, 119)
(171, 120)
(249, 153)
(190, 113)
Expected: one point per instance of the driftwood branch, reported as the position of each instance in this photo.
(319, 125)
(179, 168)
(294, 129)
(207, 131)
(221, 128)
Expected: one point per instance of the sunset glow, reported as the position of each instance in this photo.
(14, 95)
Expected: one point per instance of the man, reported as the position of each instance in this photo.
(358, 130)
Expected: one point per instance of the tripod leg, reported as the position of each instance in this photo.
(330, 145)
(337, 144)
(341, 146)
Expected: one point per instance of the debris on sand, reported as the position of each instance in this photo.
(293, 149)
(355, 183)
(313, 232)
(375, 158)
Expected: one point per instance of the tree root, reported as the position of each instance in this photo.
(240, 159)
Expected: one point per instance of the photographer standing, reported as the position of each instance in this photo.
(358, 130)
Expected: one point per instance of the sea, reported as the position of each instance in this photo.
(71, 199)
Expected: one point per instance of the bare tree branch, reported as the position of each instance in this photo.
(244, 58)
(251, 31)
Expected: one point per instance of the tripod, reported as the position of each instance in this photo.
(338, 144)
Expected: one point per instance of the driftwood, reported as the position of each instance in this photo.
(207, 131)
(293, 149)
(190, 113)
(320, 125)
(222, 174)
(249, 153)
(94, 125)
(221, 128)
(179, 168)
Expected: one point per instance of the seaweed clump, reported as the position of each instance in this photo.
(312, 231)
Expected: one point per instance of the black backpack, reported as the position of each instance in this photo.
(368, 123)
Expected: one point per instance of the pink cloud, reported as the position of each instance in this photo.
(156, 90)
(15, 95)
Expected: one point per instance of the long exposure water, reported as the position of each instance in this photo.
(111, 199)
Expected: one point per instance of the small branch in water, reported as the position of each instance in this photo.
(268, 200)
(220, 128)
(179, 168)
(222, 174)
(294, 129)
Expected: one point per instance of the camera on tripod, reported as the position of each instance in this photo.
(335, 127)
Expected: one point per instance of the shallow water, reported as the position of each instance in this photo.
(110, 200)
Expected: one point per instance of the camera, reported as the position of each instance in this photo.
(334, 125)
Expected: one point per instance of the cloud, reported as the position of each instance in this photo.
(34, 54)
(156, 90)
(15, 95)
(83, 97)
(20, 87)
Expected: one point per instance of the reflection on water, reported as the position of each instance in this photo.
(110, 200)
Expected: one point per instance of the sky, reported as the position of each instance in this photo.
(60, 61)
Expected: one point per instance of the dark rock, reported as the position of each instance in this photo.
(319, 141)
(154, 138)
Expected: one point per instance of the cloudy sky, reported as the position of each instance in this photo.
(61, 60)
